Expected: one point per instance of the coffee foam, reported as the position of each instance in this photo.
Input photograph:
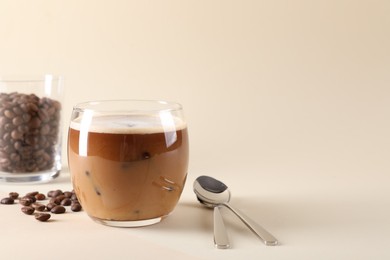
(129, 124)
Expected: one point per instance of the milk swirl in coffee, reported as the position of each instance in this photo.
(127, 167)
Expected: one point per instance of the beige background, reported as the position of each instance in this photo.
(286, 97)
(300, 84)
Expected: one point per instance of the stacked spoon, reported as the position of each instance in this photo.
(215, 194)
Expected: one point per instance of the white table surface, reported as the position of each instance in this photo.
(320, 219)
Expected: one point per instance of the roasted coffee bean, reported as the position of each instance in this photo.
(31, 140)
(45, 130)
(4, 162)
(39, 154)
(32, 107)
(28, 210)
(15, 157)
(76, 207)
(42, 216)
(66, 202)
(7, 127)
(30, 206)
(38, 206)
(26, 118)
(13, 195)
(9, 148)
(35, 123)
(44, 116)
(40, 196)
(25, 201)
(16, 135)
(58, 209)
(74, 197)
(50, 193)
(55, 201)
(7, 201)
(32, 123)
(46, 157)
(17, 120)
(23, 129)
(50, 206)
(3, 120)
(17, 110)
(30, 197)
(9, 114)
(68, 194)
(33, 193)
(54, 193)
(60, 197)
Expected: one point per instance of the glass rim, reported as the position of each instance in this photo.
(166, 106)
(29, 78)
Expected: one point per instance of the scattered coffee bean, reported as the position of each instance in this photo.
(76, 207)
(68, 194)
(74, 197)
(13, 195)
(54, 200)
(54, 193)
(66, 202)
(25, 201)
(57, 203)
(50, 194)
(7, 201)
(60, 197)
(40, 196)
(58, 209)
(32, 198)
(32, 194)
(50, 206)
(38, 206)
(42, 216)
(28, 210)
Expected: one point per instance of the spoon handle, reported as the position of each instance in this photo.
(221, 239)
(264, 235)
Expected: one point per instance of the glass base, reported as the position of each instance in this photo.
(27, 178)
(128, 223)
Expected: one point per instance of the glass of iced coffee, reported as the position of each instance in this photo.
(128, 160)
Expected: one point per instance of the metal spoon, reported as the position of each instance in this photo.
(212, 193)
(221, 239)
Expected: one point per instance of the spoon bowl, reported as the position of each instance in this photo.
(210, 194)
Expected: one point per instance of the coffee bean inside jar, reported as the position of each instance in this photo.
(29, 132)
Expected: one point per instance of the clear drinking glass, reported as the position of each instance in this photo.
(128, 159)
(30, 128)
